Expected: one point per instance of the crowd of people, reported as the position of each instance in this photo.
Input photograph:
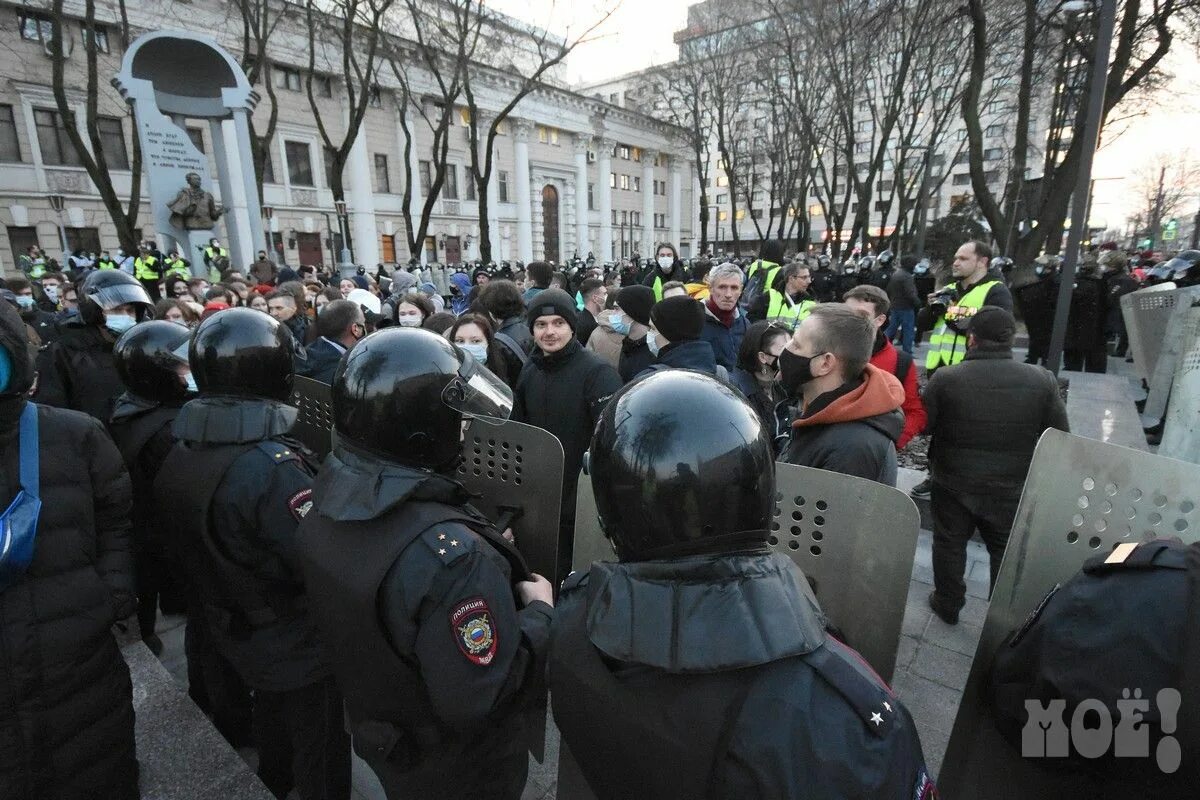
(180, 490)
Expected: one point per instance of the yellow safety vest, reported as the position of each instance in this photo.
(143, 268)
(177, 267)
(37, 271)
(782, 311)
(102, 264)
(946, 347)
(770, 266)
(210, 252)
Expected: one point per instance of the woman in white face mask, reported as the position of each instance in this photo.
(667, 268)
(473, 333)
(413, 310)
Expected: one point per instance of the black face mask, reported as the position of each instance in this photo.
(794, 371)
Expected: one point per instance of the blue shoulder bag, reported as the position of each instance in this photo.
(18, 525)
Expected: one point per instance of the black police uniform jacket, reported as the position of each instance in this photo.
(231, 493)
(76, 371)
(415, 601)
(66, 707)
(712, 676)
(141, 430)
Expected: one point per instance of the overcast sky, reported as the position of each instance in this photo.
(639, 34)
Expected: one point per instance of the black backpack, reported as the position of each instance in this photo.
(1128, 621)
(756, 286)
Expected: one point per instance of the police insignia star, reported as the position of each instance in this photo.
(300, 503)
(471, 625)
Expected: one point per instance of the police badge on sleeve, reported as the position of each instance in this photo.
(471, 625)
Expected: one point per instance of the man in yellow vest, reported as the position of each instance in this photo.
(950, 308)
(176, 266)
(788, 301)
(761, 274)
(216, 258)
(147, 270)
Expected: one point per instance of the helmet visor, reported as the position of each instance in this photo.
(113, 296)
(477, 393)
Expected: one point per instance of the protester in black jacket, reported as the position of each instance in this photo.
(675, 338)
(77, 371)
(666, 681)
(636, 302)
(757, 377)
(985, 416)
(66, 729)
(40, 321)
(340, 325)
(562, 390)
(502, 299)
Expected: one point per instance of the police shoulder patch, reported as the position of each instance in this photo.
(472, 628)
(449, 542)
(277, 451)
(300, 504)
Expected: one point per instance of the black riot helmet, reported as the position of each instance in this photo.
(885, 259)
(402, 394)
(148, 357)
(104, 289)
(666, 486)
(243, 353)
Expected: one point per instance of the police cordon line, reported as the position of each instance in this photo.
(383, 581)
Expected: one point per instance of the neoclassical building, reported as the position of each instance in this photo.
(573, 174)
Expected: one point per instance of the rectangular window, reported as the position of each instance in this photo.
(862, 126)
(591, 197)
(426, 170)
(299, 164)
(329, 153)
(624, 217)
(625, 182)
(722, 199)
(962, 179)
(503, 188)
(450, 187)
(756, 196)
(637, 183)
(268, 175)
(637, 154)
(722, 180)
(722, 216)
(286, 78)
(468, 183)
(10, 146)
(994, 131)
(961, 135)
(885, 186)
(612, 180)
(757, 213)
(99, 35)
(112, 142)
(635, 218)
(197, 137)
(464, 117)
(383, 182)
(614, 217)
(881, 205)
(324, 85)
(625, 152)
(960, 159)
(57, 150)
(993, 154)
(992, 176)
(35, 27)
(741, 214)
(862, 147)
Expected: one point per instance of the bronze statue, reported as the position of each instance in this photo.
(194, 209)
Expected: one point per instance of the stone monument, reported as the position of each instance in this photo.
(170, 77)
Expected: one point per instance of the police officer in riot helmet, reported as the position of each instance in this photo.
(76, 371)
(414, 588)
(824, 280)
(885, 266)
(151, 360)
(232, 492)
(666, 683)
(1037, 300)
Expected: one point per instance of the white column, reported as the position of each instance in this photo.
(582, 142)
(648, 157)
(604, 149)
(361, 198)
(522, 130)
(676, 201)
(241, 127)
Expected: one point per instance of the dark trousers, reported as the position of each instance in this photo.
(152, 290)
(955, 517)
(1094, 359)
(214, 686)
(302, 742)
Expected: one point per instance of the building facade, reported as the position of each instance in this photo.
(572, 175)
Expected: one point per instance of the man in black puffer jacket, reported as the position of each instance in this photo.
(985, 415)
(675, 338)
(66, 730)
(562, 390)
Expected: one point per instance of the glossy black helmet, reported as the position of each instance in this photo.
(105, 289)
(244, 353)
(402, 394)
(148, 357)
(666, 486)
(884, 260)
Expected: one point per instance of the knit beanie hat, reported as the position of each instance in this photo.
(994, 324)
(636, 301)
(551, 303)
(679, 319)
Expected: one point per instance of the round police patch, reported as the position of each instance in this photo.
(471, 626)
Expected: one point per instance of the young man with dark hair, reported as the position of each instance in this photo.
(873, 302)
(595, 296)
(538, 275)
(502, 301)
(340, 325)
(850, 416)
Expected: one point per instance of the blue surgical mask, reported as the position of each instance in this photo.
(5, 369)
(620, 324)
(478, 351)
(25, 301)
(191, 383)
(652, 343)
(119, 323)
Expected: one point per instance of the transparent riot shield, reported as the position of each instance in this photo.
(1082, 497)
(1146, 313)
(1182, 331)
(854, 539)
(1181, 433)
(314, 425)
(517, 470)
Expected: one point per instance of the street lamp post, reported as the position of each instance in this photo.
(57, 204)
(329, 241)
(268, 212)
(923, 199)
(1079, 203)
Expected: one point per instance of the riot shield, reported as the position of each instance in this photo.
(1082, 497)
(1146, 313)
(854, 539)
(1181, 433)
(1183, 328)
(516, 470)
(314, 425)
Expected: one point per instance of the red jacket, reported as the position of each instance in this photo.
(914, 410)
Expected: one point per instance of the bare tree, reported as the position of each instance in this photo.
(682, 89)
(259, 20)
(1162, 186)
(91, 153)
